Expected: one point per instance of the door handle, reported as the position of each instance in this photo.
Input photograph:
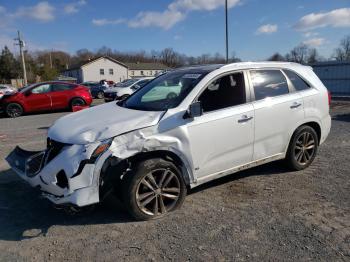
(244, 119)
(295, 105)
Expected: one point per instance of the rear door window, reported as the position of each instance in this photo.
(60, 87)
(268, 83)
(298, 83)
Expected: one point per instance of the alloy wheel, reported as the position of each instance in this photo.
(14, 110)
(158, 192)
(304, 149)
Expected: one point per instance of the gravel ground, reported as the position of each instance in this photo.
(262, 214)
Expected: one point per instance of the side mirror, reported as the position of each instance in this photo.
(28, 93)
(194, 110)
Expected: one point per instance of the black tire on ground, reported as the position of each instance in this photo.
(100, 95)
(302, 148)
(154, 188)
(77, 102)
(14, 110)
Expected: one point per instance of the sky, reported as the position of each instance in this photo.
(257, 28)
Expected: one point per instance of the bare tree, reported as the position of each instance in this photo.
(298, 54)
(342, 53)
(276, 57)
(313, 56)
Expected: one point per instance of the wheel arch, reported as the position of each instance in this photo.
(75, 97)
(114, 168)
(312, 123)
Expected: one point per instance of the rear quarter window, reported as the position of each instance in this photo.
(268, 83)
(298, 83)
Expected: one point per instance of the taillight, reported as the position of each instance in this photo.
(329, 98)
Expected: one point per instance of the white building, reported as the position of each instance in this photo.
(145, 69)
(99, 69)
(107, 68)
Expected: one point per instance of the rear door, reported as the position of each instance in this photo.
(38, 99)
(60, 94)
(277, 112)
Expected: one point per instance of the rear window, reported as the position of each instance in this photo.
(298, 83)
(268, 83)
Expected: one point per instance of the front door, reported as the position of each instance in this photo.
(38, 99)
(223, 137)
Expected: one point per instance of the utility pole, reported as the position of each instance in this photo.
(226, 23)
(21, 45)
(51, 59)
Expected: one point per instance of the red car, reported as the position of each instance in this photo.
(44, 97)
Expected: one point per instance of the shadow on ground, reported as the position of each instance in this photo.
(25, 214)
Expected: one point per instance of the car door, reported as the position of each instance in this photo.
(277, 112)
(38, 99)
(60, 95)
(223, 136)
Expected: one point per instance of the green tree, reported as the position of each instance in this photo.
(9, 66)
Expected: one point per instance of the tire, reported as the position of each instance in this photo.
(14, 110)
(146, 198)
(100, 95)
(302, 148)
(77, 102)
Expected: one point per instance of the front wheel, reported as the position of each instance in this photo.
(302, 149)
(155, 188)
(14, 110)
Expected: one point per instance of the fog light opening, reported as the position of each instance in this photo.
(62, 180)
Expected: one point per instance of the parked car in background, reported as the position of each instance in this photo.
(124, 89)
(96, 89)
(45, 97)
(225, 118)
(90, 84)
(6, 90)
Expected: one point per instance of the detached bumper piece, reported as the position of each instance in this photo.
(29, 163)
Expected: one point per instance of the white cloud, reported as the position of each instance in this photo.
(207, 5)
(335, 18)
(42, 11)
(74, 7)
(101, 22)
(175, 12)
(310, 34)
(165, 20)
(267, 29)
(315, 42)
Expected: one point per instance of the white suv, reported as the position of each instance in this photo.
(149, 149)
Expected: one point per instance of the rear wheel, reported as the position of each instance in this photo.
(77, 102)
(155, 188)
(302, 149)
(14, 110)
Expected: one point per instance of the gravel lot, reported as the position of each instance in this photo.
(265, 213)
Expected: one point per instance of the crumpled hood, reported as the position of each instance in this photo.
(100, 123)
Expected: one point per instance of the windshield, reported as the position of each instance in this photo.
(164, 92)
(127, 83)
(26, 88)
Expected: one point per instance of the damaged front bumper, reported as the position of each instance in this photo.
(62, 172)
